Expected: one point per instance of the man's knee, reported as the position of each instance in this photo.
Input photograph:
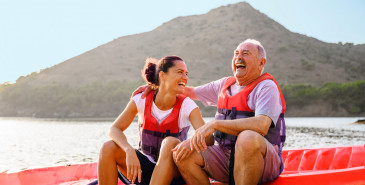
(249, 141)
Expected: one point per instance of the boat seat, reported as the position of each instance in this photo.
(323, 159)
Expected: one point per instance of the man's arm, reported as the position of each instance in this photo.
(259, 124)
(189, 92)
(145, 89)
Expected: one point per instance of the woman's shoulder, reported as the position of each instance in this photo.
(138, 99)
(137, 96)
(189, 103)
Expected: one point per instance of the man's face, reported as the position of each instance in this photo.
(245, 64)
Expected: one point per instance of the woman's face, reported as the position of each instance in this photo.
(176, 77)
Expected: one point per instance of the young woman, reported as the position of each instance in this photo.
(164, 118)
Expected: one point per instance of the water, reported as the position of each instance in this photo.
(32, 143)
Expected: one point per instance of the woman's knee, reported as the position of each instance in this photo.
(170, 142)
(108, 149)
(195, 159)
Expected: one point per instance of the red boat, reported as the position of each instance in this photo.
(322, 166)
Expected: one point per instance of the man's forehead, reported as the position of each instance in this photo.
(246, 47)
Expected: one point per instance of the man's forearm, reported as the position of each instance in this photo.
(189, 92)
(259, 124)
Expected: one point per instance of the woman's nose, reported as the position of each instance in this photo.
(185, 76)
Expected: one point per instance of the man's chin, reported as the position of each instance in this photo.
(238, 74)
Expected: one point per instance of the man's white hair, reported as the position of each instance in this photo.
(261, 49)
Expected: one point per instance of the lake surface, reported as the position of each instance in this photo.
(32, 143)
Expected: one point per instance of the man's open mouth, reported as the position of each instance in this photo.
(240, 66)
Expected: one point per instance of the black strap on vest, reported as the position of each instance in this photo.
(151, 149)
(232, 115)
(231, 166)
(161, 134)
(227, 112)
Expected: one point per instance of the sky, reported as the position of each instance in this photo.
(37, 34)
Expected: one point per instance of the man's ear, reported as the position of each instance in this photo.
(262, 63)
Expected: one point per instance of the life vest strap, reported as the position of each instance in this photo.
(161, 134)
(226, 112)
(222, 135)
(151, 149)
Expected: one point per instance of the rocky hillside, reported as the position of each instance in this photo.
(206, 43)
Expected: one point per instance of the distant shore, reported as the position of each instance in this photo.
(360, 121)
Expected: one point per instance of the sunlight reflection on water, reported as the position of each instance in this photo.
(32, 143)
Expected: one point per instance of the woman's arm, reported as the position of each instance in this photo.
(116, 134)
(183, 150)
(197, 121)
(121, 123)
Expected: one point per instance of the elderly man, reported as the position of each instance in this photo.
(249, 125)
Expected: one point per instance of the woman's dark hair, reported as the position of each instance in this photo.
(152, 68)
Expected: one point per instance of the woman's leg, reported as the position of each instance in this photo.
(165, 168)
(110, 158)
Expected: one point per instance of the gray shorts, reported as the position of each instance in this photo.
(217, 163)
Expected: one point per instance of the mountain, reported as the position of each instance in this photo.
(206, 43)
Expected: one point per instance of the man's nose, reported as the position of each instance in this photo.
(239, 56)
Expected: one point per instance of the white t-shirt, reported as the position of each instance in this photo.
(187, 106)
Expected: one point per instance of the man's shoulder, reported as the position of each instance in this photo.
(267, 82)
(223, 79)
(266, 86)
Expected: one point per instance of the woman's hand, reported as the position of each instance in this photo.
(182, 150)
(197, 142)
(133, 166)
(144, 89)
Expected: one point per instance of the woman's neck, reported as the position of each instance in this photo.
(165, 100)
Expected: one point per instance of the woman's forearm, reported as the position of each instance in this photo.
(120, 139)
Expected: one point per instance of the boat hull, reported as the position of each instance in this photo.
(324, 166)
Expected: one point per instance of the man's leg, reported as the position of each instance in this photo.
(165, 167)
(191, 169)
(250, 150)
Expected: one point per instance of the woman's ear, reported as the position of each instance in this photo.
(161, 75)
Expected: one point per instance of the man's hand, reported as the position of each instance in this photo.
(133, 166)
(144, 89)
(197, 142)
(182, 150)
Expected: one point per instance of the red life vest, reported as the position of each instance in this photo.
(235, 107)
(152, 133)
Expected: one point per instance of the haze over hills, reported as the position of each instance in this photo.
(206, 43)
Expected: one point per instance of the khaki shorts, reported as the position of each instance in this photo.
(217, 163)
